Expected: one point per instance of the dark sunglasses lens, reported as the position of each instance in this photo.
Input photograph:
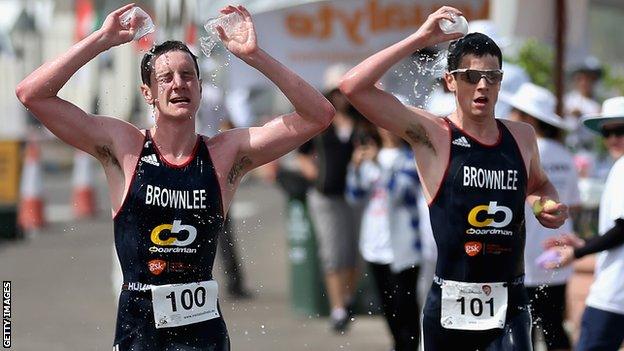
(607, 132)
(474, 76)
(494, 77)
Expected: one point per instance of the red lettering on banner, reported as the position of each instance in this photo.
(373, 15)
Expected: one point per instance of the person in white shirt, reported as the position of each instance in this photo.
(602, 325)
(535, 105)
(385, 181)
(581, 101)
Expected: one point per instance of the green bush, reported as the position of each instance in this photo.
(537, 59)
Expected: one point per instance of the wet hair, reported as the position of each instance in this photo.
(147, 63)
(476, 44)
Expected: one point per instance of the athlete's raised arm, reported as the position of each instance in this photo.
(39, 93)
(415, 125)
(313, 113)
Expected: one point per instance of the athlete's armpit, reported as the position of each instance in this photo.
(105, 155)
(418, 135)
(238, 168)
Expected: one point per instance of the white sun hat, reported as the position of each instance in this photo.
(537, 102)
(612, 111)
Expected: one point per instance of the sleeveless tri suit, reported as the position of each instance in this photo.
(478, 300)
(166, 237)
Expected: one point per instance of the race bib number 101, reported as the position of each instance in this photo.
(182, 304)
(473, 306)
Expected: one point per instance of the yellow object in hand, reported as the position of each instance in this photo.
(538, 206)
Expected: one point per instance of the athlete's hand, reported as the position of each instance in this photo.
(430, 30)
(113, 33)
(551, 214)
(242, 39)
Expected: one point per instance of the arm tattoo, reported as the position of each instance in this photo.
(106, 156)
(418, 135)
(238, 168)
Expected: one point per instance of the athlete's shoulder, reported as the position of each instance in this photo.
(226, 138)
(519, 129)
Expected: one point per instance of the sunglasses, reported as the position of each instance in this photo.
(473, 76)
(615, 131)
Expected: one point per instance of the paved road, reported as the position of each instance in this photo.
(63, 297)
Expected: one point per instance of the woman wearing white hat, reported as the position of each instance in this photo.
(546, 289)
(603, 319)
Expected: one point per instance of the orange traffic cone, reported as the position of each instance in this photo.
(31, 212)
(83, 197)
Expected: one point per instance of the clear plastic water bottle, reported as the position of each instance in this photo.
(229, 23)
(459, 26)
(139, 20)
(548, 257)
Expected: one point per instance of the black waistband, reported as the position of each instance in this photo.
(135, 286)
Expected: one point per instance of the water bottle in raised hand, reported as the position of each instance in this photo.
(230, 23)
(459, 26)
(139, 20)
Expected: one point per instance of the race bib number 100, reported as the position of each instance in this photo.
(182, 304)
(473, 306)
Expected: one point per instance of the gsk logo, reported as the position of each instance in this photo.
(489, 220)
(174, 228)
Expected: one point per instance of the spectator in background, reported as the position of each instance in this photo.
(581, 100)
(382, 176)
(441, 101)
(228, 251)
(212, 111)
(603, 320)
(323, 161)
(535, 105)
(213, 117)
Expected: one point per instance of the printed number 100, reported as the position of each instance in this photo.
(476, 306)
(188, 298)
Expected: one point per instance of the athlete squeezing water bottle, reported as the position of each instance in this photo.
(476, 172)
(170, 188)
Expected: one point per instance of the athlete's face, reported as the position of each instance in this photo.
(175, 88)
(476, 98)
(613, 136)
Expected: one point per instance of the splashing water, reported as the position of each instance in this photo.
(429, 66)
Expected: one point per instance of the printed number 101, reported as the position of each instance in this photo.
(476, 306)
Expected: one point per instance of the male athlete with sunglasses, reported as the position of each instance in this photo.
(170, 188)
(476, 172)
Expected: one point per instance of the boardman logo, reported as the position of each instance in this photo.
(491, 210)
(173, 240)
(151, 159)
(461, 141)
